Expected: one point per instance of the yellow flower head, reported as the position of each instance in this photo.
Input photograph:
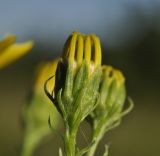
(112, 91)
(112, 74)
(11, 51)
(77, 77)
(79, 48)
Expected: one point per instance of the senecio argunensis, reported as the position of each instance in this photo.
(82, 89)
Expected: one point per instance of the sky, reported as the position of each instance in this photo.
(53, 19)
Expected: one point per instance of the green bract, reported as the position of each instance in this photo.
(76, 93)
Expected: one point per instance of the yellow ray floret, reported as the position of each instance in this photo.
(97, 49)
(119, 77)
(87, 50)
(72, 47)
(80, 50)
(79, 47)
(10, 52)
(113, 74)
(6, 42)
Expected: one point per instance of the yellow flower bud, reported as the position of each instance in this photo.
(112, 91)
(77, 77)
(113, 74)
(79, 48)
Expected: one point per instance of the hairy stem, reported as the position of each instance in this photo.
(98, 132)
(27, 149)
(70, 141)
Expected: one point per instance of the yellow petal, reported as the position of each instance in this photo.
(87, 53)
(98, 53)
(119, 77)
(7, 41)
(80, 50)
(73, 47)
(113, 74)
(14, 52)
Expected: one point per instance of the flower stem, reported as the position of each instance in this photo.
(93, 148)
(98, 133)
(70, 142)
(27, 149)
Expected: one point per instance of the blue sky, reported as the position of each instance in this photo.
(56, 19)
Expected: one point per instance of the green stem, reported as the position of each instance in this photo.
(93, 149)
(27, 149)
(98, 132)
(96, 140)
(70, 141)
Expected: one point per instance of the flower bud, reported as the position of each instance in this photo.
(109, 111)
(112, 92)
(77, 78)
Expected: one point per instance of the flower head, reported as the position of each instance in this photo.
(77, 77)
(79, 48)
(112, 91)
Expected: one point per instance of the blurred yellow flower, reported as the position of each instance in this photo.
(45, 71)
(39, 109)
(11, 51)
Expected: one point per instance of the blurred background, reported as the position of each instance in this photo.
(130, 36)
